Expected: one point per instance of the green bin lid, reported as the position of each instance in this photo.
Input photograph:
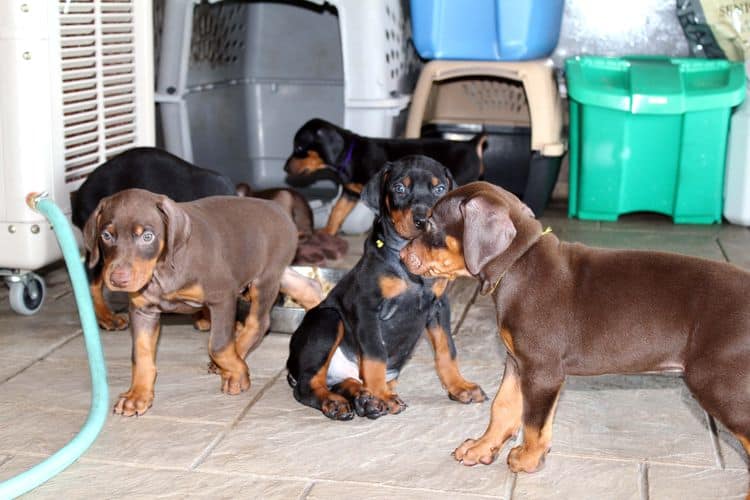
(655, 85)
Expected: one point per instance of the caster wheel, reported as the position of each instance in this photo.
(26, 296)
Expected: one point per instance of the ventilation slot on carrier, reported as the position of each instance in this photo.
(98, 75)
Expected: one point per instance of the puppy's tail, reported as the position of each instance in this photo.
(481, 143)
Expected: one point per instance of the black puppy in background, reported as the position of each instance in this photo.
(323, 151)
(348, 352)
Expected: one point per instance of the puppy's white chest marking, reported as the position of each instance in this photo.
(341, 368)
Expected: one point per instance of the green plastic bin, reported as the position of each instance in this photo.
(649, 134)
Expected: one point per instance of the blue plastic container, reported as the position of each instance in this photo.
(487, 30)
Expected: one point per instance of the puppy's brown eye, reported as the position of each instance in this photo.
(107, 236)
(147, 236)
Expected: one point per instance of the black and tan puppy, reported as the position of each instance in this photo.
(160, 172)
(568, 309)
(181, 257)
(324, 151)
(348, 352)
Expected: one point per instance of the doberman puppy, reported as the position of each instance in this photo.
(181, 257)
(160, 172)
(568, 309)
(324, 151)
(347, 353)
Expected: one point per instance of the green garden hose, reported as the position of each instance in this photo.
(56, 463)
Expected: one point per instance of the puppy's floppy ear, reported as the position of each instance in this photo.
(176, 225)
(488, 232)
(91, 236)
(373, 190)
(331, 143)
(451, 181)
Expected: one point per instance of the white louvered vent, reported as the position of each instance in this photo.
(97, 40)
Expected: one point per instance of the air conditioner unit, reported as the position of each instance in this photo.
(76, 89)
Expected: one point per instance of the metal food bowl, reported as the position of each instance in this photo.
(286, 318)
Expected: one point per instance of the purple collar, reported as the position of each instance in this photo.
(344, 168)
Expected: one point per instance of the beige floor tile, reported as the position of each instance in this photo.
(577, 478)
(732, 453)
(12, 365)
(143, 441)
(688, 483)
(89, 479)
(182, 392)
(408, 450)
(341, 490)
(735, 242)
(636, 417)
(35, 336)
(685, 243)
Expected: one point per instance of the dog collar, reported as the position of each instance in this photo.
(547, 230)
(344, 168)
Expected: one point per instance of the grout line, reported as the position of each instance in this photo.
(510, 486)
(306, 490)
(220, 437)
(714, 434)
(34, 361)
(7, 459)
(259, 476)
(643, 486)
(631, 460)
(470, 303)
(723, 251)
(62, 294)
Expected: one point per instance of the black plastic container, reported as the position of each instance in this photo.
(508, 160)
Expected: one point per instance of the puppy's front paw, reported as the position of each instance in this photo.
(467, 392)
(337, 409)
(523, 459)
(370, 406)
(234, 383)
(472, 452)
(135, 401)
(119, 321)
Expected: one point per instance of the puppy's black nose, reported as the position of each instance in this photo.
(420, 221)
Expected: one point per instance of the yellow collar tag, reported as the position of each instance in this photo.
(379, 243)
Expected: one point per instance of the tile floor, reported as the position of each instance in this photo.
(614, 437)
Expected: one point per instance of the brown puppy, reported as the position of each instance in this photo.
(567, 309)
(181, 257)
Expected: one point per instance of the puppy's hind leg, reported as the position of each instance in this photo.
(234, 373)
(311, 349)
(251, 330)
